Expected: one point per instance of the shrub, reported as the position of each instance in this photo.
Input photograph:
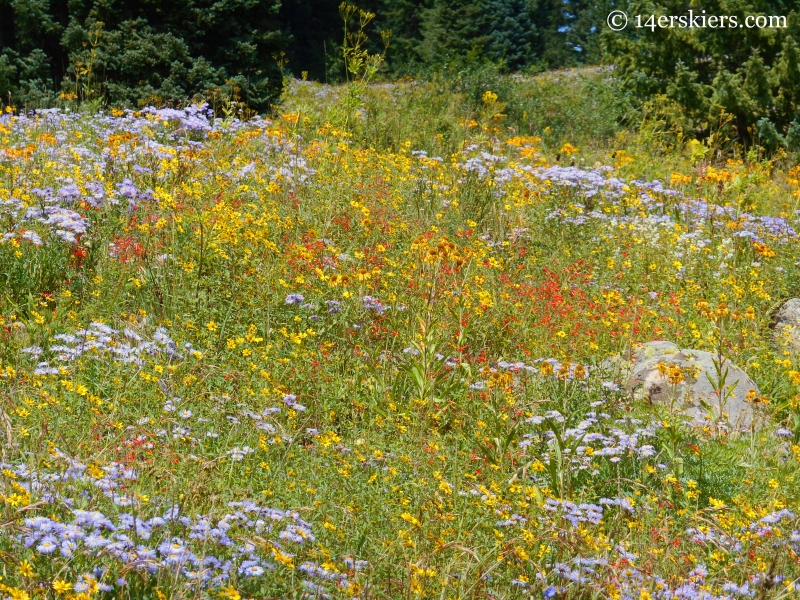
(751, 74)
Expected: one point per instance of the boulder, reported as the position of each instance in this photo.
(662, 372)
(786, 325)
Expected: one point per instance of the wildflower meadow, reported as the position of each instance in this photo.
(379, 346)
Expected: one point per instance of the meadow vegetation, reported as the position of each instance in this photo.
(355, 349)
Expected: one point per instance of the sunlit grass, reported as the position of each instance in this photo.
(289, 358)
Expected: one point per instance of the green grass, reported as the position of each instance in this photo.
(381, 409)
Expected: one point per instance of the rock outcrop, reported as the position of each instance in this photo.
(786, 325)
(661, 372)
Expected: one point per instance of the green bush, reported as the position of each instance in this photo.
(140, 53)
(746, 78)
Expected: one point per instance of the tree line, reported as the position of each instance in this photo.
(141, 51)
(136, 52)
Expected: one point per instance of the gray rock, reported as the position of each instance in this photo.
(786, 325)
(690, 388)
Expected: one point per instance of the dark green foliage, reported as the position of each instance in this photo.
(742, 78)
(314, 28)
(563, 31)
(137, 52)
(28, 76)
(428, 35)
(715, 469)
(169, 52)
(793, 134)
(510, 32)
(453, 28)
(520, 34)
(500, 30)
(787, 77)
(404, 18)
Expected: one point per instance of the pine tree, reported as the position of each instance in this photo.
(757, 90)
(404, 18)
(29, 39)
(560, 28)
(749, 73)
(787, 78)
(510, 31)
(139, 51)
(690, 94)
(452, 29)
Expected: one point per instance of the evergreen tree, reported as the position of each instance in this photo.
(137, 51)
(749, 73)
(559, 27)
(500, 30)
(510, 31)
(404, 18)
(787, 78)
(453, 28)
(167, 51)
(314, 29)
